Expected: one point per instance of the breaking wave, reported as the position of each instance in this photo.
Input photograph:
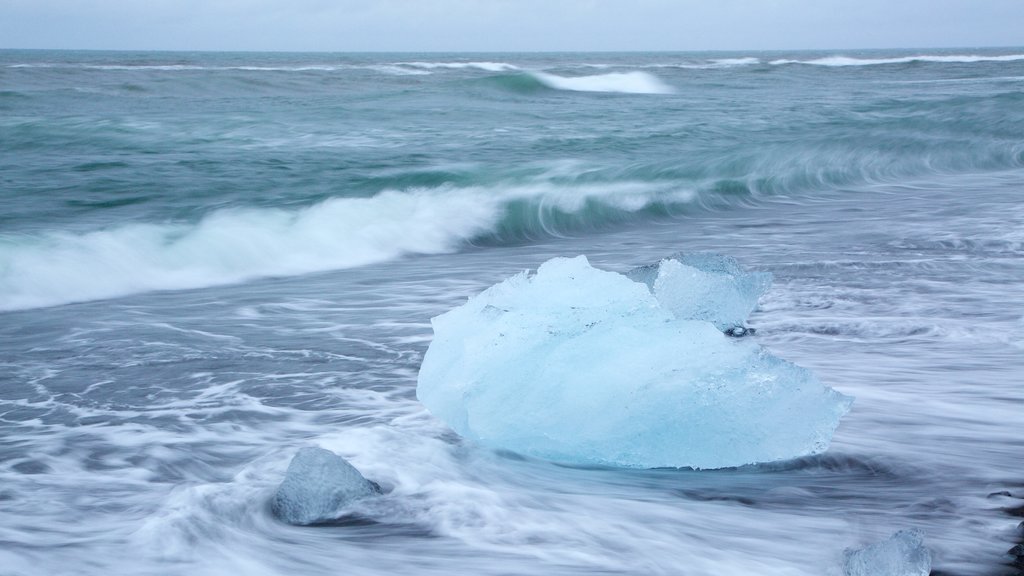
(620, 82)
(234, 245)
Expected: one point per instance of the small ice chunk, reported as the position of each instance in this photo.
(317, 485)
(705, 286)
(585, 366)
(904, 554)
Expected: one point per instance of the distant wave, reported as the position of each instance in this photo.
(235, 245)
(165, 67)
(839, 61)
(428, 67)
(112, 66)
(730, 62)
(305, 68)
(486, 66)
(180, 67)
(713, 64)
(395, 68)
(621, 82)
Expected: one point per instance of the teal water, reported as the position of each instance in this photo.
(209, 260)
(130, 166)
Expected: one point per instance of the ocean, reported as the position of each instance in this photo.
(211, 260)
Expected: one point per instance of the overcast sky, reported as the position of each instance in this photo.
(508, 25)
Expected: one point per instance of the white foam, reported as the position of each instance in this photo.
(904, 554)
(621, 82)
(729, 62)
(397, 70)
(840, 61)
(712, 64)
(486, 66)
(235, 245)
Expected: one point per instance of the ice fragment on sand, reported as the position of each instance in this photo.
(704, 286)
(318, 484)
(585, 366)
(903, 554)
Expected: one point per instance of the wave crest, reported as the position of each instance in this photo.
(621, 82)
(841, 61)
(234, 245)
(485, 66)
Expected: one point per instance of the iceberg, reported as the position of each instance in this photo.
(590, 367)
(317, 486)
(904, 554)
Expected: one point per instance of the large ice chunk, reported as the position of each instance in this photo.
(903, 554)
(585, 366)
(317, 486)
(705, 286)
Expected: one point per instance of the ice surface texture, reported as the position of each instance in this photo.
(704, 286)
(584, 366)
(903, 554)
(318, 484)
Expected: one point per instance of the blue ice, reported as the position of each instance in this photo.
(317, 487)
(705, 286)
(585, 366)
(904, 554)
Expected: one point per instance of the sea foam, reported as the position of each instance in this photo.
(903, 554)
(231, 246)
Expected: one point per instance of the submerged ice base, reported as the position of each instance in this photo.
(585, 366)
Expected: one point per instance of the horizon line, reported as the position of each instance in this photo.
(434, 51)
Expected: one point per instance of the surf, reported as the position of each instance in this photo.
(635, 82)
(235, 245)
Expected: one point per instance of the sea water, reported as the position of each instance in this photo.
(210, 261)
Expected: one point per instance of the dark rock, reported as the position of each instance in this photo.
(740, 331)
